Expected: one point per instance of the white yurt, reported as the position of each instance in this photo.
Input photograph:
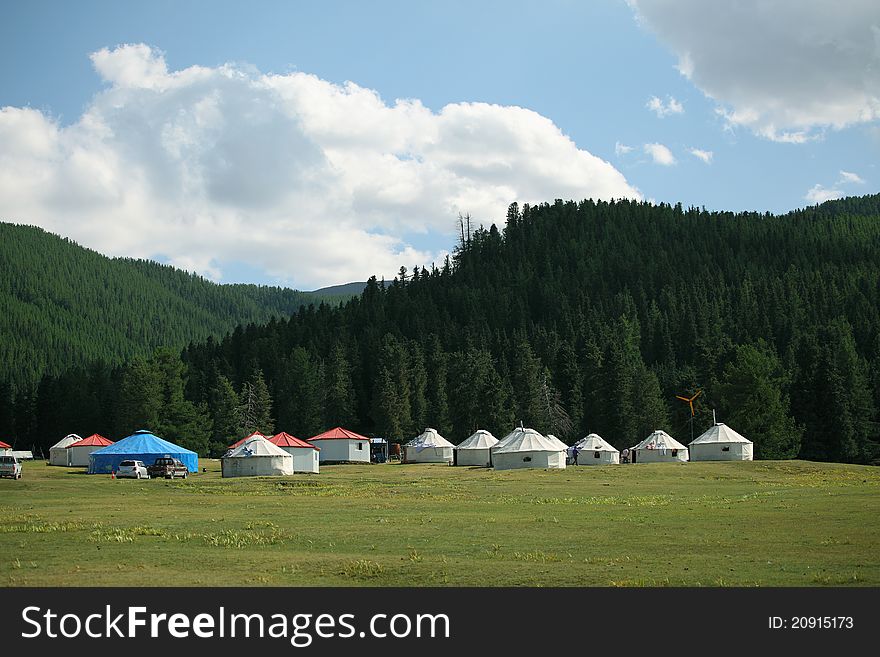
(256, 457)
(721, 443)
(659, 447)
(476, 449)
(305, 455)
(526, 448)
(595, 450)
(428, 447)
(58, 453)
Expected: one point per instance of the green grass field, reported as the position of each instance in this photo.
(771, 523)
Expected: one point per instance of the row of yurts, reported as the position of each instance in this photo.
(527, 448)
(285, 454)
(103, 456)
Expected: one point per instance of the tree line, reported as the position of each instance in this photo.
(572, 318)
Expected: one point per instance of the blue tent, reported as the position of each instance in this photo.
(140, 446)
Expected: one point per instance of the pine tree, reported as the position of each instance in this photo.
(386, 416)
(180, 420)
(141, 398)
(26, 421)
(834, 394)
(437, 414)
(650, 412)
(300, 409)
(754, 401)
(418, 384)
(255, 405)
(596, 412)
(225, 411)
(555, 417)
(392, 410)
(478, 395)
(621, 369)
(570, 384)
(8, 433)
(528, 386)
(339, 400)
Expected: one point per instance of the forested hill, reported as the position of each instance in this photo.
(62, 305)
(573, 318)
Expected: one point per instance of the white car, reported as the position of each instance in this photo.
(133, 470)
(10, 466)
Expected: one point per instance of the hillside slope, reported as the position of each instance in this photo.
(62, 305)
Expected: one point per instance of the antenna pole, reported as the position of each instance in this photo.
(714, 421)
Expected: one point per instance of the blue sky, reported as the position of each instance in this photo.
(226, 168)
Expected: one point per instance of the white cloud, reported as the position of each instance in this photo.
(819, 194)
(661, 109)
(786, 69)
(847, 177)
(132, 65)
(705, 156)
(622, 149)
(660, 154)
(312, 182)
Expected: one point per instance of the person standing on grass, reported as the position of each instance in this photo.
(574, 453)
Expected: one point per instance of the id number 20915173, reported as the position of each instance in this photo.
(810, 623)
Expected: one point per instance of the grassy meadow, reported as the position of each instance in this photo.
(762, 523)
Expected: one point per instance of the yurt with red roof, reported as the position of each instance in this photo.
(241, 442)
(342, 446)
(78, 453)
(5, 448)
(305, 455)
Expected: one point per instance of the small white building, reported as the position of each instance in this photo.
(256, 457)
(428, 447)
(526, 448)
(78, 453)
(721, 443)
(58, 453)
(476, 449)
(305, 455)
(340, 445)
(595, 450)
(659, 447)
